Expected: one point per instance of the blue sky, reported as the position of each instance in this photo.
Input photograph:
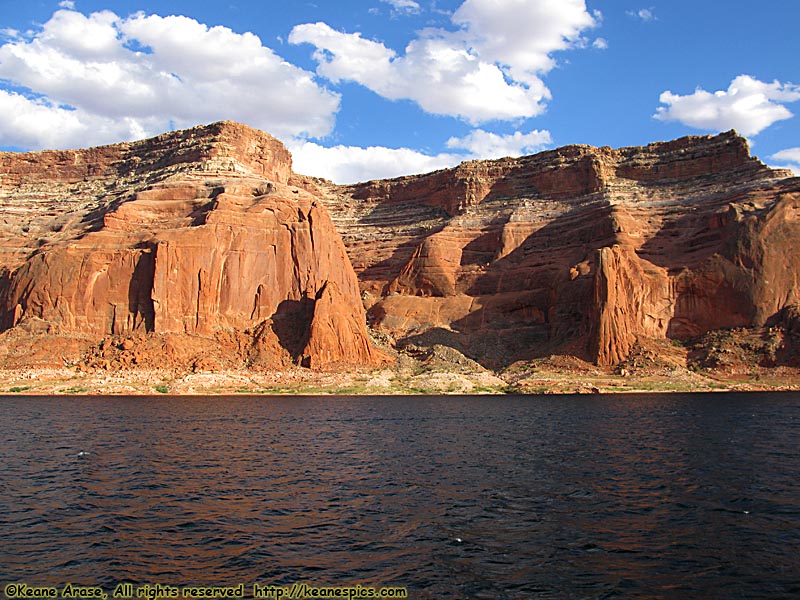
(378, 88)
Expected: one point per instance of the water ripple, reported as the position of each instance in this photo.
(659, 497)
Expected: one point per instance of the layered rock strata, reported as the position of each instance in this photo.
(578, 250)
(206, 238)
(191, 233)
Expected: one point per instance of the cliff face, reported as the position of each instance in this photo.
(222, 146)
(579, 250)
(205, 236)
(193, 233)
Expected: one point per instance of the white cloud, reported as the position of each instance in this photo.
(37, 123)
(600, 44)
(489, 68)
(484, 144)
(748, 105)
(645, 14)
(67, 4)
(345, 56)
(107, 78)
(442, 78)
(350, 164)
(788, 155)
(788, 159)
(404, 6)
(522, 34)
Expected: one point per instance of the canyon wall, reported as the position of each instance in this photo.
(579, 250)
(208, 234)
(208, 238)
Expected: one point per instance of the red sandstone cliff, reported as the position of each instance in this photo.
(578, 250)
(192, 233)
(204, 239)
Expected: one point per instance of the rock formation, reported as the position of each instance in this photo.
(580, 250)
(168, 248)
(191, 233)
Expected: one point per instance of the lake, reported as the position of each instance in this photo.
(633, 496)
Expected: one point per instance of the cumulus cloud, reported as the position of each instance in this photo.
(404, 6)
(37, 123)
(600, 43)
(522, 34)
(788, 159)
(440, 77)
(484, 144)
(788, 155)
(101, 78)
(748, 105)
(489, 67)
(350, 164)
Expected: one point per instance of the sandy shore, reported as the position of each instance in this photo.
(40, 381)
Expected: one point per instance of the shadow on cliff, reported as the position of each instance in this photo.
(94, 220)
(483, 249)
(532, 305)
(291, 324)
(692, 238)
(6, 310)
(140, 290)
(389, 268)
(716, 256)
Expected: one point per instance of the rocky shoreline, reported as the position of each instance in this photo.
(400, 380)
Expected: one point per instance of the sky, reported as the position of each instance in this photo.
(371, 89)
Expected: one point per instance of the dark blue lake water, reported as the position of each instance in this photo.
(660, 496)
